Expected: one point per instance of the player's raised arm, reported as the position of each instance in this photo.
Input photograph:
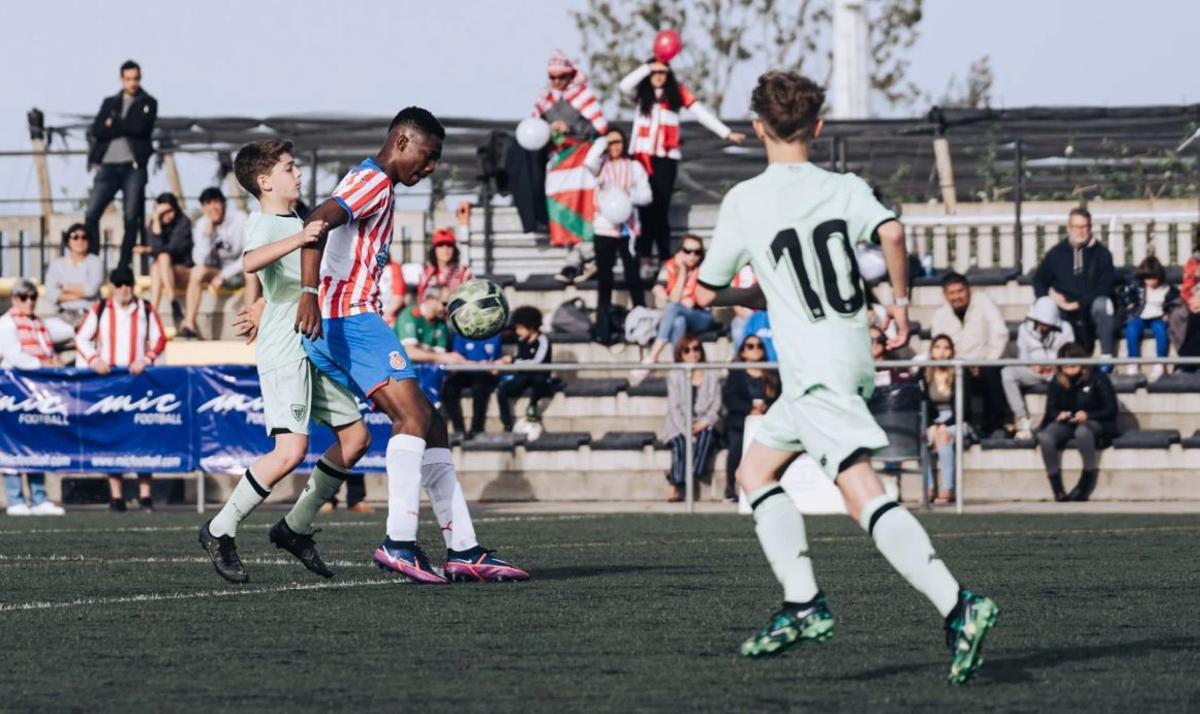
(330, 214)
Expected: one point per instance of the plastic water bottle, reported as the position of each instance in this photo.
(927, 265)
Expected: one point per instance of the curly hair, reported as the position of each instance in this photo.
(788, 103)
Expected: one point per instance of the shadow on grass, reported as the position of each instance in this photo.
(1018, 668)
(575, 572)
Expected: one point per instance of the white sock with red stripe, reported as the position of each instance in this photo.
(404, 453)
(449, 505)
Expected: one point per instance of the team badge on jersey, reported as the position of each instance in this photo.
(298, 411)
(397, 360)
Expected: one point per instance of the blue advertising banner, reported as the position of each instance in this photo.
(165, 419)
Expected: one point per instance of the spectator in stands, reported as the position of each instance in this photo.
(978, 331)
(746, 392)
(356, 496)
(479, 384)
(1040, 337)
(1190, 344)
(616, 172)
(445, 267)
(1078, 274)
(655, 143)
(217, 242)
(121, 331)
(745, 278)
(73, 280)
(1149, 302)
(937, 383)
(885, 377)
(121, 151)
(533, 347)
(393, 291)
(171, 251)
(423, 330)
(567, 103)
(25, 344)
(699, 426)
(680, 315)
(1082, 405)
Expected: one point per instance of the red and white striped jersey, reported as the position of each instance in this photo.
(579, 96)
(25, 342)
(356, 252)
(119, 335)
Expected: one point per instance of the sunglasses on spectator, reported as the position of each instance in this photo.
(690, 350)
(691, 251)
(658, 72)
(752, 346)
(556, 77)
(78, 236)
(122, 285)
(25, 296)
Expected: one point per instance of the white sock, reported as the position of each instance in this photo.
(780, 529)
(902, 540)
(449, 505)
(246, 496)
(404, 454)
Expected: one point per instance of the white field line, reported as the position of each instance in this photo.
(266, 526)
(200, 595)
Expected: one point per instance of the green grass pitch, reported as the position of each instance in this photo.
(103, 612)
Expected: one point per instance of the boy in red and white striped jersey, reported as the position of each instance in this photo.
(121, 331)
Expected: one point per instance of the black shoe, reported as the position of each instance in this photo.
(1083, 489)
(566, 276)
(187, 333)
(300, 545)
(1056, 485)
(176, 312)
(223, 552)
(116, 505)
(146, 504)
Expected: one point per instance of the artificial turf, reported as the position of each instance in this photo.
(624, 613)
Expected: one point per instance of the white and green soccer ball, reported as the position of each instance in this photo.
(478, 309)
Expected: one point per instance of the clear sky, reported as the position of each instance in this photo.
(487, 58)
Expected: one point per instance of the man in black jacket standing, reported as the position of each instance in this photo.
(120, 151)
(1078, 274)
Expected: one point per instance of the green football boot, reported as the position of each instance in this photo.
(966, 627)
(790, 626)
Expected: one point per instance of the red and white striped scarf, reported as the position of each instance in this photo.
(33, 335)
(579, 96)
(657, 134)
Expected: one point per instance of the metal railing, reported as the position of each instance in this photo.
(959, 365)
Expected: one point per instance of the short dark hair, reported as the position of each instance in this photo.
(71, 229)
(1080, 211)
(527, 316)
(788, 103)
(212, 193)
(1151, 268)
(420, 119)
(953, 278)
(121, 275)
(257, 159)
(130, 64)
(168, 198)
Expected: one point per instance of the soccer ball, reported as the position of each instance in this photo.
(478, 310)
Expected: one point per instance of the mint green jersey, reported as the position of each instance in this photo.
(278, 343)
(797, 225)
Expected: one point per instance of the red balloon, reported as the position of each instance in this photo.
(667, 45)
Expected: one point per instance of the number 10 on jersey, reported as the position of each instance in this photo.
(834, 232)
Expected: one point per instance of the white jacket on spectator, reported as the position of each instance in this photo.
(624, 174)
(981, 334)
(120, 335)
(1032, 344)
(24, 341)
(228, 241)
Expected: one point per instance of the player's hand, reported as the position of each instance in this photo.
(137, 367)
(462, 214)
(101, 367)
(312, 232)
(736, 137)
(308, 317)
(898, 314)
(247, 320)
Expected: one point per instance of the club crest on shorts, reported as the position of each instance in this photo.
(396, 360)
(298, 411)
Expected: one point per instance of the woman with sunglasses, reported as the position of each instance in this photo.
(567, 103)
(680, 315)
(171, 250)
(443, 266)
(746, 392)
(25, 344)
(73, 280)
(698, 426)
(656, 141)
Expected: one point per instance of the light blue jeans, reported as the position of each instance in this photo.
(37, 489)
(945, 459)
(678, 321)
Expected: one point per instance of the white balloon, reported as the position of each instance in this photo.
(871, 264)
(615, 206)
(533, 133)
